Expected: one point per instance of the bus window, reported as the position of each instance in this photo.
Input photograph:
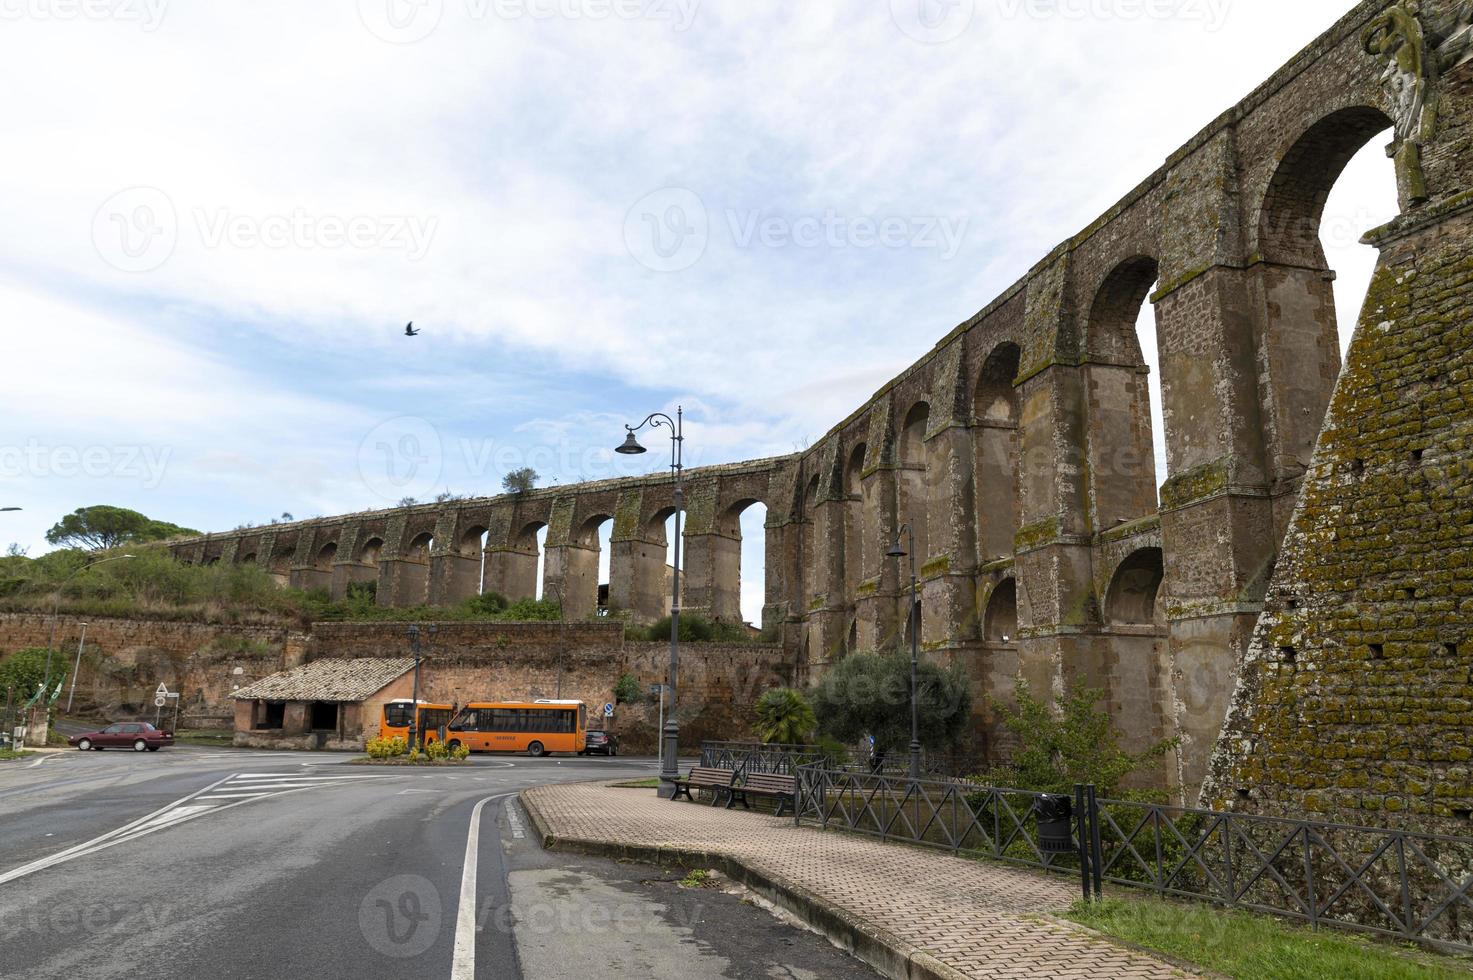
(396, 714)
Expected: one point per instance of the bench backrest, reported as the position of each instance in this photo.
(710, 777)
(769, 782)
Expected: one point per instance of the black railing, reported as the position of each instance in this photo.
(1411, 886)
(961, 817)
(750, 757)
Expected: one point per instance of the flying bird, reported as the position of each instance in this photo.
(409, 330)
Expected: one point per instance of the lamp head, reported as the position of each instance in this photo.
(631, 446)
(896, 550)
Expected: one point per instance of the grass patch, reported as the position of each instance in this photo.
(7, 754)
(639, 784)
(699, 878)
(205, 736)
(1241, 944)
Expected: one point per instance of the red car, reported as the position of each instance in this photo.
(137, 735)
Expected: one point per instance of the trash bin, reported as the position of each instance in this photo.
(1054, 815)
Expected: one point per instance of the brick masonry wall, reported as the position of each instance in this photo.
(124, 661)
(503, 661)
(1356, 698)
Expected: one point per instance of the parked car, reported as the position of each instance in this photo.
(137, 735)
(604, 743)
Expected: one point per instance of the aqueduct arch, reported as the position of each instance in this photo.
(1021, 446)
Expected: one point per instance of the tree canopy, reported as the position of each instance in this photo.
(869, 694)
(101, 527)
(520, 481)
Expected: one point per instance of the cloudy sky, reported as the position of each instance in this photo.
(219, 217)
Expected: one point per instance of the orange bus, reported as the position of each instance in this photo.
(533, 727)
(397, 714)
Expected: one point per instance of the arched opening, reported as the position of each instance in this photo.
(1131, 598)
(583, 576)
(420, 547)
(325, 556)
(361, 576)
(280, 564)
(249, 559)
(856, 555)
(369, 553)
(913, 484)
(995, 414)
(468, 574)
(414, 571)
(1000, 621)
(641, 576)
(739, 564)
(1123, 396)
(1307, 327)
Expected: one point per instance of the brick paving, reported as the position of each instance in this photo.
(978, 918)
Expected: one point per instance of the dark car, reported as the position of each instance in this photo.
(135, 735)
(602, 743)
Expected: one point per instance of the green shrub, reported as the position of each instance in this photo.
(695, 628)
(833, 749)
(459, 752)
(386, 748)
(628, 690)
(23, 671)
(488, 603)
(1071, 742)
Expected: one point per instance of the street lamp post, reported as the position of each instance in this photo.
(670, 733)
(76, 667)
(56, 609)
(899, 550)
(413, 634)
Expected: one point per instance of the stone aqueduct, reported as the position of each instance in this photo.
(1020, 447)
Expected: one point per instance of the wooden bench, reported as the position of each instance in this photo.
(717, 780)
(764, 784)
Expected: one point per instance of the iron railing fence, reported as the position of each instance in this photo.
(1411, 886)
(953, 815)
(751, 757)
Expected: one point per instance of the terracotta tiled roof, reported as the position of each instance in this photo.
(329, 680)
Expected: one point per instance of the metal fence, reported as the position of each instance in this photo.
(1397, 883)
(964, 818)
(750, 757)
(1411, 886)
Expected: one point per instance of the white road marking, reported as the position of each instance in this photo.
(432, 792)
(463, 965)
(196, 804)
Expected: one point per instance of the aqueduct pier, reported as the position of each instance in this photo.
(1020, 451)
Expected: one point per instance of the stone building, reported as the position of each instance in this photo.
(1020, 451)
(325, 704)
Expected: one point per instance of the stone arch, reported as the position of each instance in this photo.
(467, 566)
(573, 572)
(371, 550)
(279, 564)
(1000, 620)
(325, 556)
(1294, 200)
(247, 559)
(420, 547)
(515, 568)
(995, 413)
(1132, 598)
(1119, 445)
(1301, 339)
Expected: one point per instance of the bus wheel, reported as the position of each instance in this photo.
(453, 744)
(535, 749)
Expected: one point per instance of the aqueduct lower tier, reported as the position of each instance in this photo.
(1020, 451)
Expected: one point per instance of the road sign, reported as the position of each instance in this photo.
(608, 710)
(158, 702)
(161, 691)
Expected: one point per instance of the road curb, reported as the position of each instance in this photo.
(886, 952)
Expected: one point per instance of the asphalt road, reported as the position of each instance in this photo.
(215, 863)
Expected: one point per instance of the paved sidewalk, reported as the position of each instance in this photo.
(978, 919)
